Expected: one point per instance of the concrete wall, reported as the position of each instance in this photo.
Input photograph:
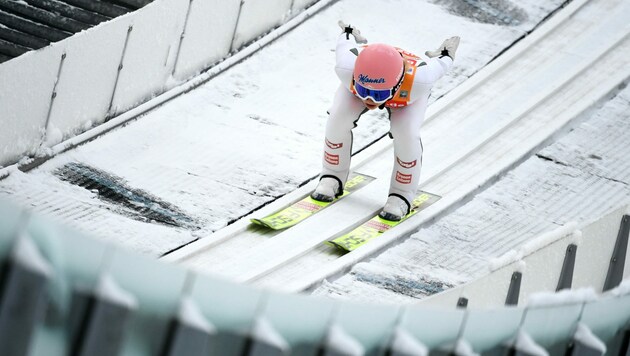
(57, 92)
(540, 263)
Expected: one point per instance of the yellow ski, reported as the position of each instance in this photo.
(372, 228)
(303, 209)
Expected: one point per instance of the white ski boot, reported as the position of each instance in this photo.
(327, 190)
(395, 209)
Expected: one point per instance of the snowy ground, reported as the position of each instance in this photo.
(254, 132)
(581, 176)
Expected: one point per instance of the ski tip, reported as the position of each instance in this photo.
(339, 247)
(258, 222)
(263, 223)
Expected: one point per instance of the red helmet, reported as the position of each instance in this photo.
(378, 72)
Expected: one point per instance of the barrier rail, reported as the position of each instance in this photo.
(570, 257)
(64, 293)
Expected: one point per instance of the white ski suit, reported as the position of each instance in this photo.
(406, 117)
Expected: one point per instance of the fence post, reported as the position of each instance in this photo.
(514, 290)
(181, 38)
(24, 278)
(566, 274)
(618, 258)
(291, 8)
(111, 114)
(238, 19)
(98, 319)
(52, 100)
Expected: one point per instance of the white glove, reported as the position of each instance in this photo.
(349, 29)
(448, 48)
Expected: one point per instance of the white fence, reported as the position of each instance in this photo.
(63, 293)
(59, 91)
(587, 250)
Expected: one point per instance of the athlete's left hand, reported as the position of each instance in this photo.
(448, 48)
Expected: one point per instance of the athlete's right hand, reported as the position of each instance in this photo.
(351, 30)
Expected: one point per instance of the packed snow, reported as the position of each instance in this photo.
(533, 245)
(583, 175)
(226, 148)
(563, 297)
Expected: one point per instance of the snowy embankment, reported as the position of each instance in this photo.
(485, 140)
(254, 132)
(580, 177)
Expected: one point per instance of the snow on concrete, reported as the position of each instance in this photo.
(190, 314)
(532, 246)
(622, 289)
(585, 336)
(406, 344)
(339, 341)
(263, 331)
(563, 297)
(255, 132)
(108, 289)
(583, 175)
(506, 259)
(525, 344)
(463, 348)
(26, 254)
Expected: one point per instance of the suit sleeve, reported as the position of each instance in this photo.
(427, 75)
(434, 70)
(346, 54)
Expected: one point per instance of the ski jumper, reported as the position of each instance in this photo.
(407, 109)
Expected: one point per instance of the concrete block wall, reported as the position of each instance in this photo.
(59, 91)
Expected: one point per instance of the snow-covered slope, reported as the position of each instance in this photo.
(579, 178)
(254, 133)
(508, 110)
